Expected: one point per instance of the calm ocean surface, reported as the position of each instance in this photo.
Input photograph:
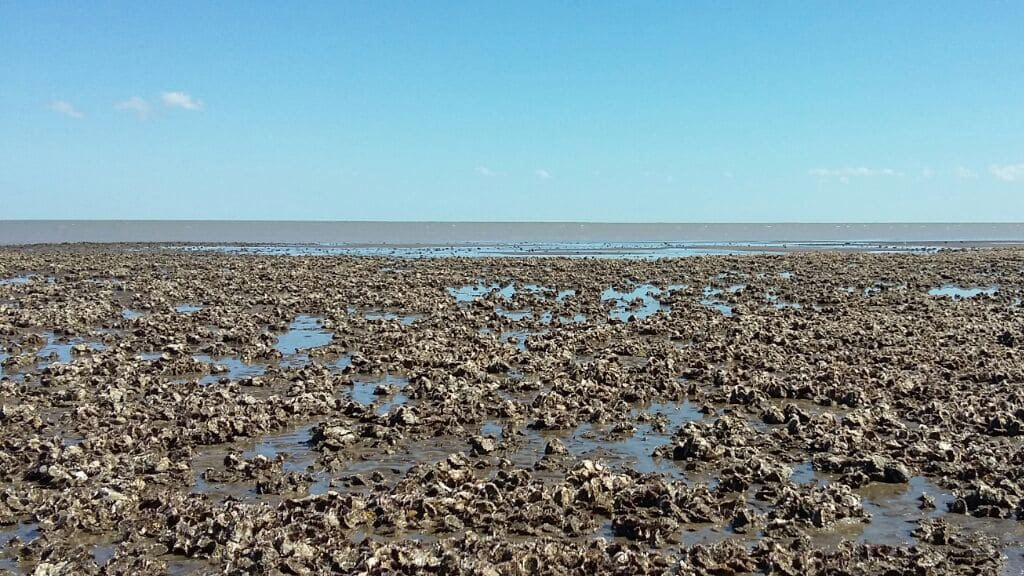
(461, 233)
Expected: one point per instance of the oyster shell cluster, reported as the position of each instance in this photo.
(173, 411)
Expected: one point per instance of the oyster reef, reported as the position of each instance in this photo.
(811, 412)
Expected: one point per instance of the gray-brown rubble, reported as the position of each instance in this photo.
(170, 411)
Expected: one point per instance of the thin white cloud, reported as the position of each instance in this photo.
(853, 172)
(485, 171)
(65, 108)
(964, 173)
(1007, 172)
(136, 105)
(844, 175)
(180, 100)
(542, 174)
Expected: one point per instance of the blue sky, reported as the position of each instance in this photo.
(590, 111)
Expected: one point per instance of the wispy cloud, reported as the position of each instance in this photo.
(844, 175)
(485, 171)
(542, 174)
(181, 100)
(136, 105)
(964, 173)
(65, 108)
(1007, 172)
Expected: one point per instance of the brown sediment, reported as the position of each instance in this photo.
(798, 413)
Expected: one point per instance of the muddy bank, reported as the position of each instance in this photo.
(802, 413)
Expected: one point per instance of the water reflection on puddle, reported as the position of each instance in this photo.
(473, 292)
(56, 350)
(492, 428)
(187, 308)
(514, 315)
(304, 333)
(292, 446)
(518, 337)
(236, 369)
(956, 292)
(129, 314)
(25, 532)
(626, 306)
(895, 510)
(636, 450)
(804, 473)
(365, 392)
(710, 300)
(406, 319)
(102, 554)
(563, 295)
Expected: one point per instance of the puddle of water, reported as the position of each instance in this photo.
(804, 473)
(363, 392)
(563, 295)
(637, 450)
(519, 336)
(425, 453)
(473, 292)
(23, 531)
(237, 369)
(342, 363)
(53, 346)
(187, 308)
(304, 333)
(625, 308)
(514, 315)
(957, 292)
(72, 440)
(407, 319)
(492, 428)
(710, 300)
(293, 445)
(62, 350)
(16, 280)
(181, 566)
(1014, 565)
(129, 314)
(3, 358)
(508, 291)
(103, 553)
(895, 510)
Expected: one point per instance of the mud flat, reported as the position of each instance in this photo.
(200, 412)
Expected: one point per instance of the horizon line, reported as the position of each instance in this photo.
(576, 222)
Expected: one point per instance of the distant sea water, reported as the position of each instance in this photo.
(492, 233)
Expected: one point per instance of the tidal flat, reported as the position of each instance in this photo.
(167, 411)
